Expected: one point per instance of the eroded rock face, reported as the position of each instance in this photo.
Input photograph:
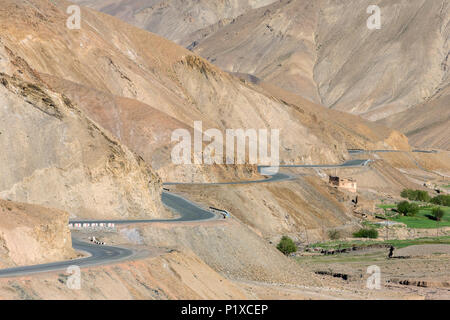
(31, 234)
(53, 155)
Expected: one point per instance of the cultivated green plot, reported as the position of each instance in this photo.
(396, 243)
(424, 219)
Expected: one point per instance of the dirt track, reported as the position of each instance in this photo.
(424, 250)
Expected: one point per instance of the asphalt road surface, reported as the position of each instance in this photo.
(347, 164)
(273, 178)
(188, 211)
(278, 177)
(359, 151)
(99, 255)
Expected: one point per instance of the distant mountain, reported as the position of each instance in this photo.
(141, 87)
(427, 124)
(322, 50)
(177, 20)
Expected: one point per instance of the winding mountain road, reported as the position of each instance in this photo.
(99, 255)
(188, 211)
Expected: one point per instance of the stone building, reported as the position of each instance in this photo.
(347, 184)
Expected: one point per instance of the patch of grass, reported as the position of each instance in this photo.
(371, 225)
(342, 258)
(387, 206)
(423, 219)
(396, 243)
(366, 233)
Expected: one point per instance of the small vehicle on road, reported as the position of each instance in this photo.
(225, 214)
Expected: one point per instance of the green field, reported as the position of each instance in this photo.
(387, 206)
(395, 243)
(422, 219)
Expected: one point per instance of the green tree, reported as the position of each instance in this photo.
(286, 245)
(422, 196)
(403, 207)
(413, 209)
(442, 200)
(407, 193)
(415, 195)
(437, 213)
(407, 209)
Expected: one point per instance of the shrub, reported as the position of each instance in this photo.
(407, 209)
(287, 245)
(437, 213)
(422, 196)
(442, 200)
(407, 194)
(366, 233)
(413, 209)
(403, 207)
(415, 195)
(334, 234)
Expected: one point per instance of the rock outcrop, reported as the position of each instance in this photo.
(31, 234)
(53, 155)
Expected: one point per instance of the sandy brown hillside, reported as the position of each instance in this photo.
(139, 87)
(31, 234)
(248, 43)
(355, 131)
(55, 156)
(374, 73)
(324, 51)
(177, 20)
(381, 72)
(117, 59)
(427, 125)
(275, 43)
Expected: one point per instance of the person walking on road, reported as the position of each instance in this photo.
(391, 252)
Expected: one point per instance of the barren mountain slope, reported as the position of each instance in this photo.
(427, 125)
(374, 73)
(305, 205)
(324, 51)
(55, 156)
(174, 19)
(175, 275)
(275, 43)
(31, 234)
(381, 72)
(112, 57)
(229, 247)
(357, 133)
(169, 276)
(145, 129)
